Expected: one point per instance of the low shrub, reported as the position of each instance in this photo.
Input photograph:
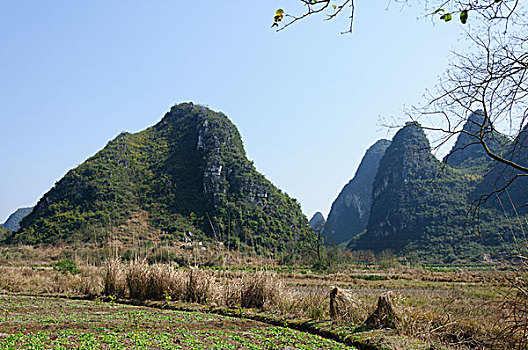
(66, 266)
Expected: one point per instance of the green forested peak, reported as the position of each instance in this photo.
(408, 156)
(468, 151)
(411, 138)
(189, 172)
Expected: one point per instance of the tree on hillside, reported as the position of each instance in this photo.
(4, 232)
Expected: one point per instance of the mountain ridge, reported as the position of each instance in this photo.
(422, 206)
(351, 209)
(13, 221)
(188, 172)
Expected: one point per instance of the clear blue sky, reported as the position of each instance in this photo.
(73, 75)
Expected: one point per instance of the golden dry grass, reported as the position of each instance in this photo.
(463, 309)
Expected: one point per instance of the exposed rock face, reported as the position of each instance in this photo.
(421, 206)
(220, 143)
(413, 203)
(406, 162)
(317, 222)
(189, 172)
(351, 209)
(13, 221)
(468, 151)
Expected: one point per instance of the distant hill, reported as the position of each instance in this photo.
(13, 221)
(514, 199)
(351, 209)
(519, 154)
(189, 172)
(468, 151)
(317, 221)
(422, 206)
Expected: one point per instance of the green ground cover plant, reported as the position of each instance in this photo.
(455, 307)
(77, 324)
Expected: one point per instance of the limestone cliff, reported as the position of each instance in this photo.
(468, 151)
(351, 209)
(415, 205)
(189, 172)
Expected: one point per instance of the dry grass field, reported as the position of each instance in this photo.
(451, 307)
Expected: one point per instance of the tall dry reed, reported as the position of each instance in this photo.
(261, 289)
(114, 280)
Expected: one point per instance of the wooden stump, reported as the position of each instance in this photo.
(340, 304)
(385, 315)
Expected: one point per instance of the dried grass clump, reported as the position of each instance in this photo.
(6, 279)
(162, 282)
(417, 322)
(385, 315)
(463, 332)
(445, 328)
(260, 289)
(176, 283)
(345, 308)
(28, 280)
(515, 306)
(114, 280)
(89, 281)
(199, 286)
(230, 295)
(138, 280)
(314, 304)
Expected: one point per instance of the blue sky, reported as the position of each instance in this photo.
(307, 100)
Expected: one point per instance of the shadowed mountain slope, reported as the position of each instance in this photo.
(13, 221)
(351, 209)
(420, 205)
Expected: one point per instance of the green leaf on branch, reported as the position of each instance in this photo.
(446, 17)
(463, 16)
(438, 11)
(279, 15)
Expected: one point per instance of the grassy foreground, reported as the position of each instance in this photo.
(52, 323)
(439, 307)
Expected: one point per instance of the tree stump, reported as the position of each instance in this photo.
(385, 315)
(340, 304)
